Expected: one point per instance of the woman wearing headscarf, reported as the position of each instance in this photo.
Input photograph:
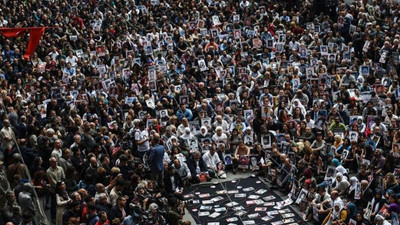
(353, 181)
(377, 202)
(338, 145)
(280, 107)
(351, 211)
(342, 185)
(338, 214)
(203, 133)
(339, 167)
(297, 104)
(188, 140)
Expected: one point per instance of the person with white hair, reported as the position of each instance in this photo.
(220, 137)
(342, 185)
(220, 122)
(197, 167)
(203, 133)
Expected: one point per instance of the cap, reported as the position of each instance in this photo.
(153, 206)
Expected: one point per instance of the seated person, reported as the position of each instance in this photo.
(342, 185)
(183, 170)
(173, 183)
(241, 155)
(198, 168)
(213, 162)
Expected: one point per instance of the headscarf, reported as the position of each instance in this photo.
(336, 214)
(339, 174)
(353, 183)
(352, 210)
(203, 128)
(294, 106)
(337, 144)
(336, 162)
(187, 135)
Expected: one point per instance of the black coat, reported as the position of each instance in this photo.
(115, 212)
(168, 184)
(192, 166)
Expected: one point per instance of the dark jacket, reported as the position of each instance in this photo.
(168, 184)
(115, 212)
(156, 158)
(192, 166)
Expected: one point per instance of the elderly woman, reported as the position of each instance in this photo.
(337, 216)
(342, 185)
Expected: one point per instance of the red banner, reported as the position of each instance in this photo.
(34, 38)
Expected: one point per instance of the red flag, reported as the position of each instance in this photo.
(35, 36)
(12, 33)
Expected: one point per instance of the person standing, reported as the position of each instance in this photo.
(142, 139)
(54, 175)
(26, 201)
(4, 186)
(156, 160)
(7, 137)
(62, 201)
(17, 168)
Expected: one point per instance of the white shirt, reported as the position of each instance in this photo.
(142, 135)
(57, 153)
(220, 139)
(211, 160)
(73, 60)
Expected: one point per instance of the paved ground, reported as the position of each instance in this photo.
(239, 175)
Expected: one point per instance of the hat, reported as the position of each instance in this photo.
(153, 206)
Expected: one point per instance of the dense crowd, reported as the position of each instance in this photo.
(126, 102)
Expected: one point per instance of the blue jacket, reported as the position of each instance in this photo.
(187, 114)
(156, 158)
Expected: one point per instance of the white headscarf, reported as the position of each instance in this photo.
(353, 183)
(302, 109)
(206, 130)
(336, 214)
(187, 134)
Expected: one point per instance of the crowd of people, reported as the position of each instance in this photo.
(126, 102)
